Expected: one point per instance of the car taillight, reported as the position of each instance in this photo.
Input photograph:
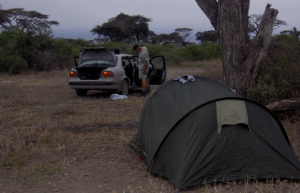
(107, 74)
(73, 74)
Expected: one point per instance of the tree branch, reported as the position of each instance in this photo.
(28, 23)
(210, 8)
(259, 46)
(285, 105)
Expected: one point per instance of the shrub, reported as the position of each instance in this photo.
(13, 64)
(63, 53)
(36, 50)
(44, 61)
(278, 78)
(204, 51)
(214, 51)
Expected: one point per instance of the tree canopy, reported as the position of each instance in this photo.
(19, 19)
(184, 33)
(123, 27)
(173, 37)
(255, 21)
(207, 36)
(292, 32)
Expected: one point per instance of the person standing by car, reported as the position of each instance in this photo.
(143, 62)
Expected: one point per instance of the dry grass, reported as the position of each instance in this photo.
(35, 109)
(207, 68)
(54, 141)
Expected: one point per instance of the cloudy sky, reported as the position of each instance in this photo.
(77, 17)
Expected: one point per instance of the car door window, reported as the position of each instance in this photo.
(125, 62)
(135, 58)
(76, 59)
(160, 70)
(131, 60)
(158, 62)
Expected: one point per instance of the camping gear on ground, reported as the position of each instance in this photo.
(203, 132)
(184, 79)
(118, 97)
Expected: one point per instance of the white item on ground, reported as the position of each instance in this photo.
(182, 80)
(189, 77)
(117, 97)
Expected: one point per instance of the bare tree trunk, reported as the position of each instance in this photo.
(241, 57)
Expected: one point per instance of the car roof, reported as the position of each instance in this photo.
(93, 48)
(121, 55)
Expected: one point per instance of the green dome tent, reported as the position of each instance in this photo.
(202, 132)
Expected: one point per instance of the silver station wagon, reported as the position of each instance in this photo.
(101, 69)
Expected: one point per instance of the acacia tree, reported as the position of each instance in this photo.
(207, 36)
(255, 20)
(184, 33)
(19, 19)
(123, 27)
(241, 57)
(173, 37)
(152, 37)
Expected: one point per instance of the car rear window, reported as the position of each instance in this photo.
(97, 57)
(96, 63)
(103, 54)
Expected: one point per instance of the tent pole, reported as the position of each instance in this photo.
(149, 167)
(176, 190)
(140, 154)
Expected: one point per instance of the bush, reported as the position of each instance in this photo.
(170, 51)
(214, 51)
(11, 57)
(36, 50)
(63, 52)
(204, 51)
(278, 78)
(13, 64)
(124, 47)
(44, 61)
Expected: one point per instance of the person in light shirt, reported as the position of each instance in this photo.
(143, 62)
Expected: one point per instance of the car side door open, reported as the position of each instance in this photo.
(76, 59)
(128, 68)
(156, 71)
(160, 74)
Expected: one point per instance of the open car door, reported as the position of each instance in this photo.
(157, 71)
(76, 59)
(160, 74)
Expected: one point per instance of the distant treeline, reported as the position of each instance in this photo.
(38, 50)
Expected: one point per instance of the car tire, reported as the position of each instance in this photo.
(124, 88)
(81, 92)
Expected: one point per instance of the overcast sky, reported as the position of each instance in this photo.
(77, 17)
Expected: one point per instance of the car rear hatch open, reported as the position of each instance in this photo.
(92, 61)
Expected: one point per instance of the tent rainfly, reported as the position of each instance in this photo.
(202, 132)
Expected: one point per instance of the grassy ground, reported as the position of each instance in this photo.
(53, 141)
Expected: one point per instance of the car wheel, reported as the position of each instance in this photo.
(81, 92)
(124, 88)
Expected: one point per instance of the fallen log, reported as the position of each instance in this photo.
(285, 105)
